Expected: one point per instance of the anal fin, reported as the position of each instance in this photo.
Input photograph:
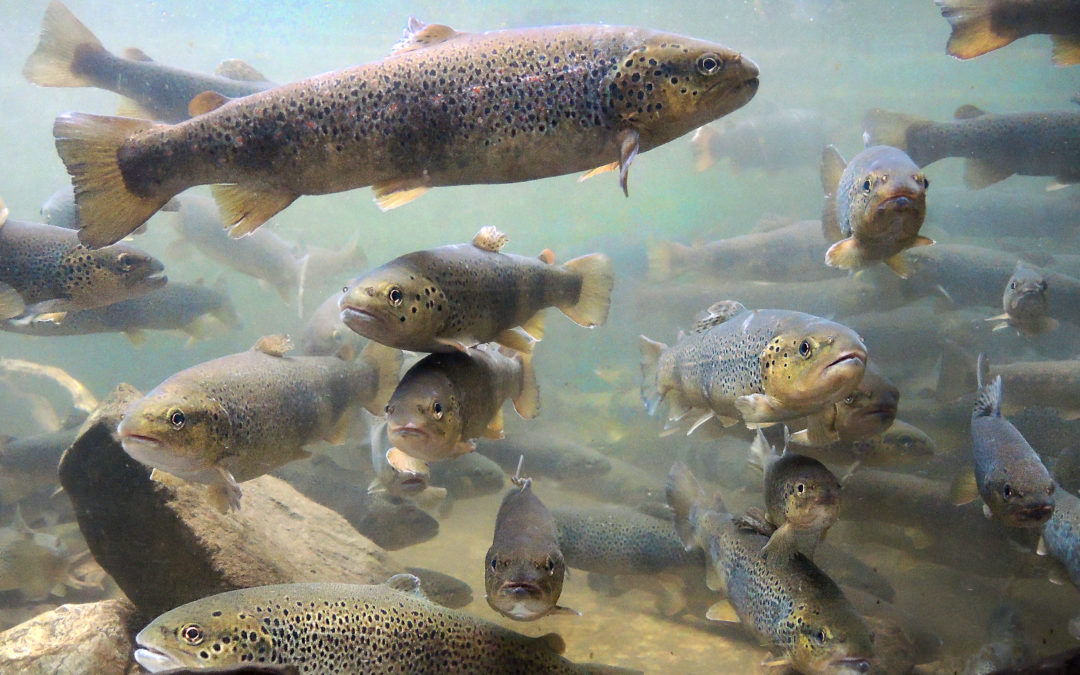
(246, 208)
(395, 193)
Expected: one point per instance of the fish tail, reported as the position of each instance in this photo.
(760, 451)
(701, 146)
(663, 257)
(386, 362)
(884, 127)
(988, 403)
(687, 500)
(65, 43)
(651, 392)
(89, 146)
(972, 28)
(527, 402)
(597, 277)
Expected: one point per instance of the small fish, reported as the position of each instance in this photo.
(547, 455)
(69, 55)
(802, 497)
(1006, 647)
(347, 628)
(619, 540)
(900, 444)
(867, 411)
(442, 109)
(237, 417)
(1061, 534)
(445, 401)
(874, 207)
(981, 26)
(785, 138)
(994, 146)
(1025, 303)
(524, 568)
(782, 599)
(45, 270)
(1015, 486)
(761, 366)
(325, 333)
(460, 295)
(399, 474)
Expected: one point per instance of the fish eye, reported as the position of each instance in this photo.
(437, 410)
(1050, 490)
(849, 399)
(1012, 285)
(805, 349)
(923, 180)
(191, 634)
(906, 441)
(494, 564)
(867, 185)
(124, 260)
(177, 419)
(549, 565)
(800, 487)
(344, 289)
(395, 296)
(708, 64)
(389, 409)
(819, 637)
(1007, 491)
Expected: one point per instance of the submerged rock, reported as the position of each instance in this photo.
(166, 545)
(88, 638)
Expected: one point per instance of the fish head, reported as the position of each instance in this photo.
(106, 275)
(1025, 294)
(811, 363)
(809, 494)
(831, 638)
(523, 587)
(178, 429)
(667, 85)
(395, 305)
(203, 634)
(869, 409)
(902, 442)
(1020, 494)
(423, 416)
(886, 195)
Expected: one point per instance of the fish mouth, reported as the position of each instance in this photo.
(857, 356)
(1034, 515)
(151, 281)
(409, 429)
(155, 661)
(357, 318)
(514, 588)
(854, 664)
(901, 201)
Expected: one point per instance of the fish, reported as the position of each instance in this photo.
(399, 474)
(775, 140)
(82, 399)
(59, 209)
(874, 207)
(994, 146)
(445, 108)
(45, 270)
(29, 464)
(1050, 384)
(619, 540)
(325, 333)
(624, 483)
(867, 411)
(239, 416)
(414, 634)
(446, 400)
(1060, 537)
(1025, 302)
(1015, 486)
(468, 476)
(524, 568)
(979, 27)
(442, 589)
(783, 600)
(456, 296)
(1004, 210)
(802, 497)
(761, 366)
(33, 563)
(792, 253)
(69, 55)
(900, 444)
(1006, 645)
(547, 455)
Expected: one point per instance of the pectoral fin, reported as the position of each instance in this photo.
(699, 421)
(723, 611)
(516, 339)
(558, 609)
(964, 489)
(597, 171)
(761, 409)
(898, 264)
(392, 194)
(494, 428)
(845, 254)
(11, 302)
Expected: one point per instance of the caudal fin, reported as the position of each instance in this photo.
(650, 373)
(527, 402)
(687, 500)
(387, 364)
(665, 258)
(972, 28)
(64, 44)
(88, 146)
(884, 127)
(597, 277)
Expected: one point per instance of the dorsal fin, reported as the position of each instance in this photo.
(274, 345)
(418, 35)
(716, 314)
(968, 112)
(136, 54)
(236, 69)
(406, 583)
(988, 404)
(205, 102)
(547, 256)
(489, 238)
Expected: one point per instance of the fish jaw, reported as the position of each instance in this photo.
(155, 661)
(150, 450)
(1029, 515)
(521, 601)
(415, 440)
(849, 664)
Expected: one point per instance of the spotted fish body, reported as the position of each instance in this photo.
(618, 540)
(782, 599)
(446, 108)
(763, 366)
(327, 628)
(1061, 533)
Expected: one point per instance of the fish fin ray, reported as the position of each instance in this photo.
(527, 402)
(534, 326)
(418, 35)
(759, 409)
(128, 107)
(547, 256)
(243, 209)
(239, 70)
(206, 102)
(832, 168)
(898, 264)
(490, 238)
(701, 146)
(406, 583)
(515, 339)
(972, 28)
(495, 427)
(273, 345)
(699, 421)
(64, 43)
(845, 254)
(884, 127)
(11, 302)
(628, 150)
(611, 166)
(723, 611)
(963, 489)
(968, 112)
(716, 314)
(392, 194)
(597, 274)
(651, 392)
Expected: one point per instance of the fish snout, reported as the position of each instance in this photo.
(852, 664)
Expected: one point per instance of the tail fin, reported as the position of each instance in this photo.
(761, 453)
(884, 127)
(597, 277)
(88, 145)
(686, 498)
(64, 42)
(701, 145)
(972, 28)
(386, 361)
(664, 257)
(527, 402)
(650, 373)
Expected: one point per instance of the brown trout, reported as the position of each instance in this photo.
(782, 599)
(981, 26)
(524, 568)
(761, 366)
(874, 207)
(446, 400)
(995, 146)
(867, 411)
(69, 55)
(901, 443)
(452, 297)
(445, 108)
(324, 628)
(45, 270)
(237, 417)
(1024, 302)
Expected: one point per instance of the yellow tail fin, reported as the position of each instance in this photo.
(597, 277)
(972, 28)
(65, 42)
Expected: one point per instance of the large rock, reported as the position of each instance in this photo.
(166, 545)
(90, 638)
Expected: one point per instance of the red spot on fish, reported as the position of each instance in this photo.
(309, 125)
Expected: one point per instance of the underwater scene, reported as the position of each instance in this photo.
(611, 337)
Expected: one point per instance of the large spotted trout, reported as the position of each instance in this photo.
(445, 108)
